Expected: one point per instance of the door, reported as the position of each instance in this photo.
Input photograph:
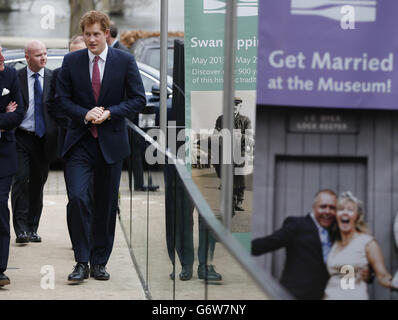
(297, 179)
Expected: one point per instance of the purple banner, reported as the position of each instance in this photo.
(328, 53)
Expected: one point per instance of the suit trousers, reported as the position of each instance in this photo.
(137, 153)
(91, 219)
(28, 182)
(5, 185)
(207, 243)
(179, 218)
(179, 223)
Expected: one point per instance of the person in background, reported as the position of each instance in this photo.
(179, 232)
(36, 144)
(136, 141)
(11, 115)
(112, 39)
(179, 223)
(243, 124)
(75, 43)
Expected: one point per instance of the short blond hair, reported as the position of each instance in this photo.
(94, 16)
(360, 224)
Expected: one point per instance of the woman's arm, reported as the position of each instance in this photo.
(376, 260)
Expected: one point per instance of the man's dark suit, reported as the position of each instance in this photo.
(34, 157)
(53, 111)
(305, 274)
(122, 93)
(120, 46)
(136, 143)
(8, 154)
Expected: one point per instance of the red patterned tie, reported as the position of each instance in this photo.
(96, 84)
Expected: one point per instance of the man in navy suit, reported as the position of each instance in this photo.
(112, 39)
(11, 115)
(307, 246)
(96, 88)
(75, 43)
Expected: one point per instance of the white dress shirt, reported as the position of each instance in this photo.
(113, 43)
(101, 65)
(28, 122)
(101, 62)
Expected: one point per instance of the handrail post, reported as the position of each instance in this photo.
(163, 73)
(227, 167)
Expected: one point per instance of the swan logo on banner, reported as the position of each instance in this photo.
(365, 10)
(245, 8)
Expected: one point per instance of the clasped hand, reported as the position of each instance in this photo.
(11, 107)
(97, 115)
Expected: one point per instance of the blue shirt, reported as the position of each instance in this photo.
(324, 237)
(28, 122)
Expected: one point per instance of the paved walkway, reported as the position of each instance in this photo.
(36, 267)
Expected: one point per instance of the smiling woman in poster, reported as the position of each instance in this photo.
(353, 250)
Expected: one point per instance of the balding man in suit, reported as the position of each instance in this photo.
(36, 144)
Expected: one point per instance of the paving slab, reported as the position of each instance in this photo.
(38, 271)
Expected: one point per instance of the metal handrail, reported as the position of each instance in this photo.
(227, 169)
(263, 279)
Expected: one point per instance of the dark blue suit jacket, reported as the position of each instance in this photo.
(61, 121)
(122, 92)
(9, 121)
(305, 274)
